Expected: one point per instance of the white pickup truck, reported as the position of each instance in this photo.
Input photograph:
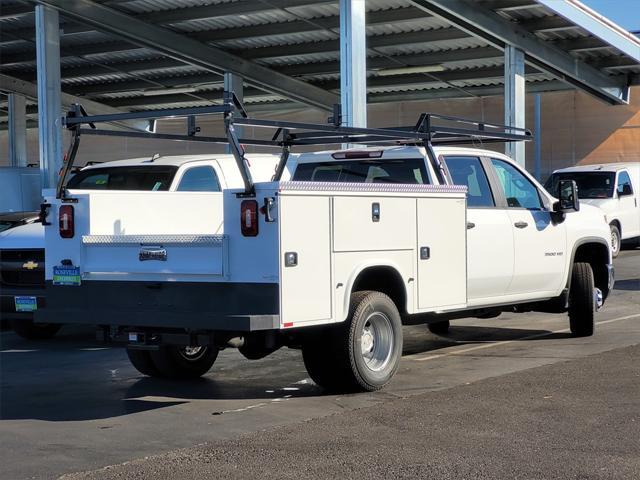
(614, 188)
(333, 261)
(22, 243)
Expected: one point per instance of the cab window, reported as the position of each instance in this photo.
(403, 171)
(199, 179)
(624, 181)
(519, 191)
(468, 171)
(133, 177)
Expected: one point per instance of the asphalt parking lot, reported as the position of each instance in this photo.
(510, 397)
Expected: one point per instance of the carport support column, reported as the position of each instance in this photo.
(17, 131)
(514, 99)
(233, 83)
(353, 63)
(49, 94)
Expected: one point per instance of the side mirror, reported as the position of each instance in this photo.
(626, 190)
(568, 196)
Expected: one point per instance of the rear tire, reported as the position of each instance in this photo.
(181, 363)
(35, 331)
(141, 361)
(582, 302)
(439, 328)
(616, 240)
(361, 354)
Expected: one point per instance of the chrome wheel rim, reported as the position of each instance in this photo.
(614, 242)
(192, 354)
(376, 341)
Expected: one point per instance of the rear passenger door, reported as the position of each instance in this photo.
(490, 250)
(540, 244)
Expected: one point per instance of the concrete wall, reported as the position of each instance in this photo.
(576, 128)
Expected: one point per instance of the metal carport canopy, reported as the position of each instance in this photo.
(299, 40)
(498, 32)
(191, 51)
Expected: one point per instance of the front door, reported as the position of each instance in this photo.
(540, 244)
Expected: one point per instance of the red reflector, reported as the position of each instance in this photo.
(249, 218)
(66, 220)
(288, 324)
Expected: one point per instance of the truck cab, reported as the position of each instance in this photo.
(615, 189)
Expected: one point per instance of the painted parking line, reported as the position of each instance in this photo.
(528, 337)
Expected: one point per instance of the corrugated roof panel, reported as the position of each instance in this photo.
(271, 40)
(470, 42)
(230, 21)
(296, 59)
(142, 6)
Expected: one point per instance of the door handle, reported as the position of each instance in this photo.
(470, 225)
(521, 224)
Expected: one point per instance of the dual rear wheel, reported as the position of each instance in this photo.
(363, 352)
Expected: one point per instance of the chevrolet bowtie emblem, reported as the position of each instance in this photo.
(30, 265)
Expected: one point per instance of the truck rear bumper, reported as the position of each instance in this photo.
(196, 306)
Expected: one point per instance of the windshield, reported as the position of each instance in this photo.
(406, 170)
(145, 177)
(590, 184)
(6, 225)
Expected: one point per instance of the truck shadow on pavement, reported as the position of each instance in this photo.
(55, 384)
(426, 342)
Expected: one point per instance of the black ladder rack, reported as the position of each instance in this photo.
(430, 129)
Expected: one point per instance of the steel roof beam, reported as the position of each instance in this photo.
(382, 17)
(372, 82)
(191, 51)
(598, 25)
(497, 31)
(376, 41)
(440, 93)
(30, 90)
(176, 15)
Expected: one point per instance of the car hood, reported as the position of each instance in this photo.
(606, 204)
(23, 236)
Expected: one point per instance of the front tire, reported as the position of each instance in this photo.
(364, 352)
(182, 363)
(582, 301)
(35, 331)
(616, 240)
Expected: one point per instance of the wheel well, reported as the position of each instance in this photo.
(617, 224)
(597, 255)
(386, 280)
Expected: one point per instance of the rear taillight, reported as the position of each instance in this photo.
(249, 218)
(66, 221)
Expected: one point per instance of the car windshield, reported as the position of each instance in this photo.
(6, 225)
(15, 219)
(590, 184)
(406, 170)
(137, 177)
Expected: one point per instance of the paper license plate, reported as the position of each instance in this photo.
(64, 275)
(26, 304)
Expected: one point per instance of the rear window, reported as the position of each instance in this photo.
(147, 177)
(406, 170)
(590, 184)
